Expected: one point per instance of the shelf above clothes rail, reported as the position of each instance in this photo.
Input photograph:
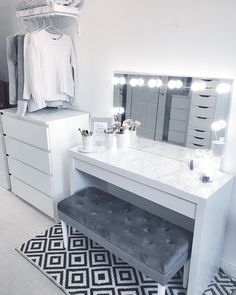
(50, 10)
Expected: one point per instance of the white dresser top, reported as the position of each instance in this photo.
(45, 116)
(157, 171)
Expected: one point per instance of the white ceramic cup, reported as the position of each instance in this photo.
(87, 143)
(120, 141)
(109, 141)
(131, 137)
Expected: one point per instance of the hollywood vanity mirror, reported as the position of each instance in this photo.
(184, 111)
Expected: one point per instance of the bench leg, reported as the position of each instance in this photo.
(186, 274)
(65, 234)
(161, 290)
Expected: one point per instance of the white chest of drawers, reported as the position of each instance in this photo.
(4, 172)
(37, 148)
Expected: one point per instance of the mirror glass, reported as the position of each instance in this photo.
(185, 111)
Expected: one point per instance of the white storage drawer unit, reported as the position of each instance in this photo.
(4, 172)
(37, 147)
(202, 114)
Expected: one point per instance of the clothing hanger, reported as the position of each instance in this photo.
(52, 29)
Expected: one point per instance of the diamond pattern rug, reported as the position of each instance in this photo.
(88, 269)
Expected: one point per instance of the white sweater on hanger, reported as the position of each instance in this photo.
(50, 69)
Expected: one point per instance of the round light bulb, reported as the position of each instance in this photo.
(223, 88)
(178, 84)
(121, 110)
(159, 83)
(218, 125)
(115, 80)
(140, 82)
(198, 86)
(172, 84)
(122, 80)
(115, 111)
(133, 82)
(152, 83)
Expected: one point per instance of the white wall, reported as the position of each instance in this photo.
(178, 37)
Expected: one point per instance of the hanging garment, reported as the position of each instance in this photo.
(50, 69)
(20, 66)
(12, 68)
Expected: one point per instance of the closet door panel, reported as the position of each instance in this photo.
(30, 155)
(27, 132)
(32, 196)
(31, 176)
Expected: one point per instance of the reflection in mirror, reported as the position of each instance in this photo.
(186, 111)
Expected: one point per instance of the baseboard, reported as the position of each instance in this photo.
(228, 268)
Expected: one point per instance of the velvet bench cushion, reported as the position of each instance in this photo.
(151, 244)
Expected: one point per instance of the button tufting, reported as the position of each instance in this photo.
(94, 213)
(146, 230)
(110, 211)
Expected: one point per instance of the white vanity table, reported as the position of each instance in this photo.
(154, 179)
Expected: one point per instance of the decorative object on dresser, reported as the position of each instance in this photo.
(87, 139)
(175, 109)
(131, 127)
(37, 148)
(98, 125)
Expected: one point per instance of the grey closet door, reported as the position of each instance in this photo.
(144, 103)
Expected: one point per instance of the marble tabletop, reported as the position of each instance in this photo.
(160, 170)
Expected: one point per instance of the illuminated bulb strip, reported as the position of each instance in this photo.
(122, 81)
(175, 84)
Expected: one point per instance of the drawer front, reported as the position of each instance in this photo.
(199, 140)
(195, 132)
(178, 125)
(179, 102)
(31, 176)
(196, 146)
(211, 85)
(204, 100)
(29, 155)
(5, 180)
(2, 147)
(164, 199)
(200, 122)
(32, 196)
(177, 137)
(203, 111)
(177, 114)
(30, 133)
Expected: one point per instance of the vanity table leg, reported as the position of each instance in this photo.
(65, 234)
(208, 240)
(186, 274)
(161, 290)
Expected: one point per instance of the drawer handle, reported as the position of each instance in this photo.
(198, 130)
(207, 80)
(205, 95)
(198, 144)
(202, 118)
(203, 107)
(197, 137)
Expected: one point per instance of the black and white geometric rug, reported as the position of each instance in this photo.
(88, 269)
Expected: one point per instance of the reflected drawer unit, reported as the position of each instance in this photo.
(202, 114)
(4, 172)
(37, 147)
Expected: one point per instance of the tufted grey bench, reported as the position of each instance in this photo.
(152, 245)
